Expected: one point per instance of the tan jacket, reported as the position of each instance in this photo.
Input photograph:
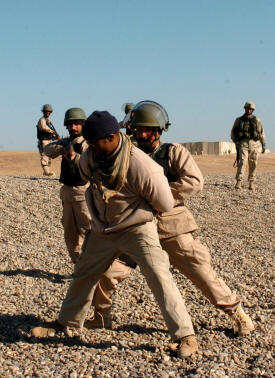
(189, 181)
(145, 191)
(68, 193)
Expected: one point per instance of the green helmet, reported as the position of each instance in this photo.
(250, 105)
(46, 108)
(149, 114)
(74, 114)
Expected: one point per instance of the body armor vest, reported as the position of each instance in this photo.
(247, 129)
(161, 156)
(69, 174)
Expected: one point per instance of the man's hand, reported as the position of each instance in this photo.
(69, 155)
(263, 148)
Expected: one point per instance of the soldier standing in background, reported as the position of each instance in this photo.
(175, 228)
(76, 217)
(46, 133)
(248, 135)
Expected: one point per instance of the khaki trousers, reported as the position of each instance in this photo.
(249, 152)
(76, 220)
(44, 159)
(105, 288)
(142, 244)
(192, 259)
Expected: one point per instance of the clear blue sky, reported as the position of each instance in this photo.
(201, 59)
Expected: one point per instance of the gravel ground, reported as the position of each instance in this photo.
(236, 225)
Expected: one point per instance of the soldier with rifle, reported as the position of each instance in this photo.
(46, 133)
(248, 135)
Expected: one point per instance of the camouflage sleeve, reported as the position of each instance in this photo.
(233, 135)
(54, 149)
(42, 126)
(261, 131)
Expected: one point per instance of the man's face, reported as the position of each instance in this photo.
(248, 111)
(47, 114)
(75, 127)
(104, 147)
(147, 138)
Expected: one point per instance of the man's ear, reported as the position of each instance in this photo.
(110, 137)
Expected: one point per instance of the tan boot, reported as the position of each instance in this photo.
(242, 323)
(251, 185)
(238, 184)
(49, 330)
(187, 346)
(46, 171)
(99, 320)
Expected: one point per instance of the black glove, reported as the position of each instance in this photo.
(263, 148)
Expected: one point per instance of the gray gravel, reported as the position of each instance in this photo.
(238, 227)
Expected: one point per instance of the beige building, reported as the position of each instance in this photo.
(211, 148)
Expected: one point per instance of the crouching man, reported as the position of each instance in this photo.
(126, 189)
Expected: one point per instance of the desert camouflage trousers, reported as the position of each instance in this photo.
(249, 153)
(44, 159)
(142, 244)
(76, 220)
(191, 258)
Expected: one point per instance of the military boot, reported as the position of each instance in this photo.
(187, 346)
(238, 184)
(49, 330)
(242, 323)
(46, 171)
(100, 319)
(251, 185)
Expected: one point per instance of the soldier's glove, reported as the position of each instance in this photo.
(263, 148)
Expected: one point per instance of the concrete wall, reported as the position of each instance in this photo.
(210, 148)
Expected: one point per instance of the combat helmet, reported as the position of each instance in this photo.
(74, 114)
(47, 108)
(149, 114)
(249, 105)
(127, 107)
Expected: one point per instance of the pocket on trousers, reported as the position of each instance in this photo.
(179, 243)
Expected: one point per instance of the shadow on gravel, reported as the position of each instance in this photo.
(138, 329)
(37, 178)
(16, 328)
(228, 332)
(36, 273)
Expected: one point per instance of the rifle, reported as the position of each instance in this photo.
(55, 136)
(237, 160)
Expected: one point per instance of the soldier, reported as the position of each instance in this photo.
(125, 123)
(126, 188)
(46, 133)
(175, 228)
(248, 135)
(76, 218)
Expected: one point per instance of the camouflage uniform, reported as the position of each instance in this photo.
(46, 136)
(248, 135)
(76, 218)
